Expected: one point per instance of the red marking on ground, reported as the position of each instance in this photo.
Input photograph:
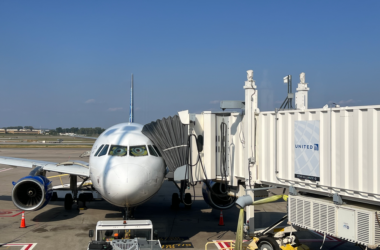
(9, 212)
(5, 169)
(221, 244)
(25, 246)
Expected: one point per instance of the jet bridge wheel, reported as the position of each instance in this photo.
(68, 201)
(267, 243)
(175, 201)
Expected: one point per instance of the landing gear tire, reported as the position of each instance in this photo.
(81, 202)
(175, 201)
(267, 243)
(188, 201)
(68, 201)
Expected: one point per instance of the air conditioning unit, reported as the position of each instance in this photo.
(354, 222)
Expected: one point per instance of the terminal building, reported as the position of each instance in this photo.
(21, 131)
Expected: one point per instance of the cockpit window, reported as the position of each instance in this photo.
(138, 151)
(100, 148)
(104, 150)
(152, 151)
(158, 152)
(117, 150)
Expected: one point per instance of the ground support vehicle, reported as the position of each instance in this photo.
(124, 234)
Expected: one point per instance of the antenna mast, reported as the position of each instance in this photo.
(131, 106)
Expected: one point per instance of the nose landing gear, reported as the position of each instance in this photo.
(128, 213)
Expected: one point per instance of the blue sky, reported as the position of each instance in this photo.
(68, 63)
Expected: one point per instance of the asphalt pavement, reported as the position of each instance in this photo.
(53, 227)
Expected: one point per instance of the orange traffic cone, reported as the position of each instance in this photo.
(221, 221)
(22, 225)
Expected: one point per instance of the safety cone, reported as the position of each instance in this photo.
(221, 221)
(22, 225)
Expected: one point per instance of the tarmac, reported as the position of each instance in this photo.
(53, 227)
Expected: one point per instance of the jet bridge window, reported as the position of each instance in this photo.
(100, 148)
(152, 151)
(104, 150)
(117, 150)
(138, 151)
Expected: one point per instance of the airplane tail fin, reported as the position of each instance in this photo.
(131, 108)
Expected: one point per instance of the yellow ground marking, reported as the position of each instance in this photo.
(59, 177)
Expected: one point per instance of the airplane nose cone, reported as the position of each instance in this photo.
(126, 184)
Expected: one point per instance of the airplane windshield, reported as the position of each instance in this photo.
(110, 235)
(104, 150)
(117, 150)
(138, 151)
(152, 151)
(158, 152)
(100, 148)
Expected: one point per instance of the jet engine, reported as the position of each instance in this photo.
(215, 196)
(32, 192)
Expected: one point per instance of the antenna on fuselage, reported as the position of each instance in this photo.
(131, 108)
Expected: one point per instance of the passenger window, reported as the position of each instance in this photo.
(104, 150)
(138, 151)
(152, 151)
(100, 148)
(158, 152)
(117, 150)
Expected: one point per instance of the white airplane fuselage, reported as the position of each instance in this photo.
(126, 179)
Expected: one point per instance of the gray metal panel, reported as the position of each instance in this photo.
(232, 105)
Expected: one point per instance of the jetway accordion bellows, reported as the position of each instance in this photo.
(170, 136)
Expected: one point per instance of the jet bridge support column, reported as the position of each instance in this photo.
(250, 147)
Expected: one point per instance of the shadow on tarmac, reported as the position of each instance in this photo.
(5, 198)
(57, 214)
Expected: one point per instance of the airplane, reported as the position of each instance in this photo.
(124, 166)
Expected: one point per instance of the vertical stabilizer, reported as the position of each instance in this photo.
(131, 107)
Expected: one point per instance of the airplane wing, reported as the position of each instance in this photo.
(80, 168)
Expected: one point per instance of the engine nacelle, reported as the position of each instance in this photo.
(32, 192)
(215, 197)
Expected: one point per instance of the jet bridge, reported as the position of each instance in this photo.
(328, 158)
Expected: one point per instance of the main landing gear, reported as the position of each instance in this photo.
(183, 197)
(70, 199)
